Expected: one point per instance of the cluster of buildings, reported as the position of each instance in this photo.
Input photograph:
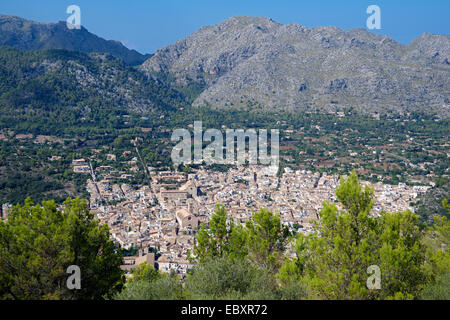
(79, 166)
(165, 215)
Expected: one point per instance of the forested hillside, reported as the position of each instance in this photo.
(73, 90)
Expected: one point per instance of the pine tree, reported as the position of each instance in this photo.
(355, 255)
(39, 242)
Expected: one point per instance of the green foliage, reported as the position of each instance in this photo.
(164, 287)
(42, 85)
(434, 202)
(144, 272)
(445, 204)
(439, 289)
(221, 238)
(237, 262)
(133, 251)
(266, 238)
(333, 260)
(234, 262)
(262, 240)
(39, 242)
(437, 241)
(225, 278)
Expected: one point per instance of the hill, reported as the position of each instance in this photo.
(74, 89)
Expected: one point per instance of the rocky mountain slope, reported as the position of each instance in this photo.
(29, 35)
(247, 61)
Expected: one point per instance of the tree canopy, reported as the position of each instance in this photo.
(349, 243)
(39, 242)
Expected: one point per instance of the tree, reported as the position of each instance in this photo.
(334, 260)
(445, 204)
(163, 287)
(266, 238)
(226, 255)
(145, 272)
(226, 278)
(437, 241)
(39, 242)
(221, 238)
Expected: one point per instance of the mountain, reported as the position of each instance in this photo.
(67, 87)
(257, 62)
(433, 48)
(29, 35)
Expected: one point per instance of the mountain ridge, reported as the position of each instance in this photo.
(31, 35)
(255, 61)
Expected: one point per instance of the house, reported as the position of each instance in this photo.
(186, 219)
(190, 188)
(81, 169)
(173, 195)
(79, 162)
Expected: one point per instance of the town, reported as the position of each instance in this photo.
(163, 216)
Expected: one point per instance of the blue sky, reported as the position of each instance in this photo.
(147, 25)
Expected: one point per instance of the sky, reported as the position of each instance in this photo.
(148, 25)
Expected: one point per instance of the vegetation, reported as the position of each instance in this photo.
(429, 205)
(147, 283)
(39, 242)
(437, 241)
(333, 261)
(226, 278)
